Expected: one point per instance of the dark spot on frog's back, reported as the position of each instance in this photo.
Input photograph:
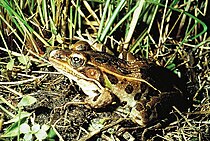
(129, 89)
(113, 79)
(137, 96)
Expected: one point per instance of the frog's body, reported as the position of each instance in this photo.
(147, 89)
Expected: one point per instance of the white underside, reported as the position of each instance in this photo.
(89, 87)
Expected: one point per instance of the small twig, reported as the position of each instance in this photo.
(59, 136)
(74, 103)
(6, 111)
(91, 134)
(183, 117)
(13, 91)
(18, 54)
(21, 82)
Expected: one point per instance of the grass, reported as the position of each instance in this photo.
(173, 34)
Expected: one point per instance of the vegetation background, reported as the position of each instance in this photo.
(172, 33)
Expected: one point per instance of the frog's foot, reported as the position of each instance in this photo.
(101, 100)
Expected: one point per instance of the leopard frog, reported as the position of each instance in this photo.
(148, 90)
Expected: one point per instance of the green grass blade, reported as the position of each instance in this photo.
(103, 18)
(111, 21)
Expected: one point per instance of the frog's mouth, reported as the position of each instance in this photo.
(59, 60)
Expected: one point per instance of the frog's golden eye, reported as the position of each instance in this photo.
(77, 60)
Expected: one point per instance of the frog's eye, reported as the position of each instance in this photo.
(77, 60)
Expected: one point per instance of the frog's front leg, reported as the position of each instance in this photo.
(98, 96)
(101, 100)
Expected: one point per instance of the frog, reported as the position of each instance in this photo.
(148, 90)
